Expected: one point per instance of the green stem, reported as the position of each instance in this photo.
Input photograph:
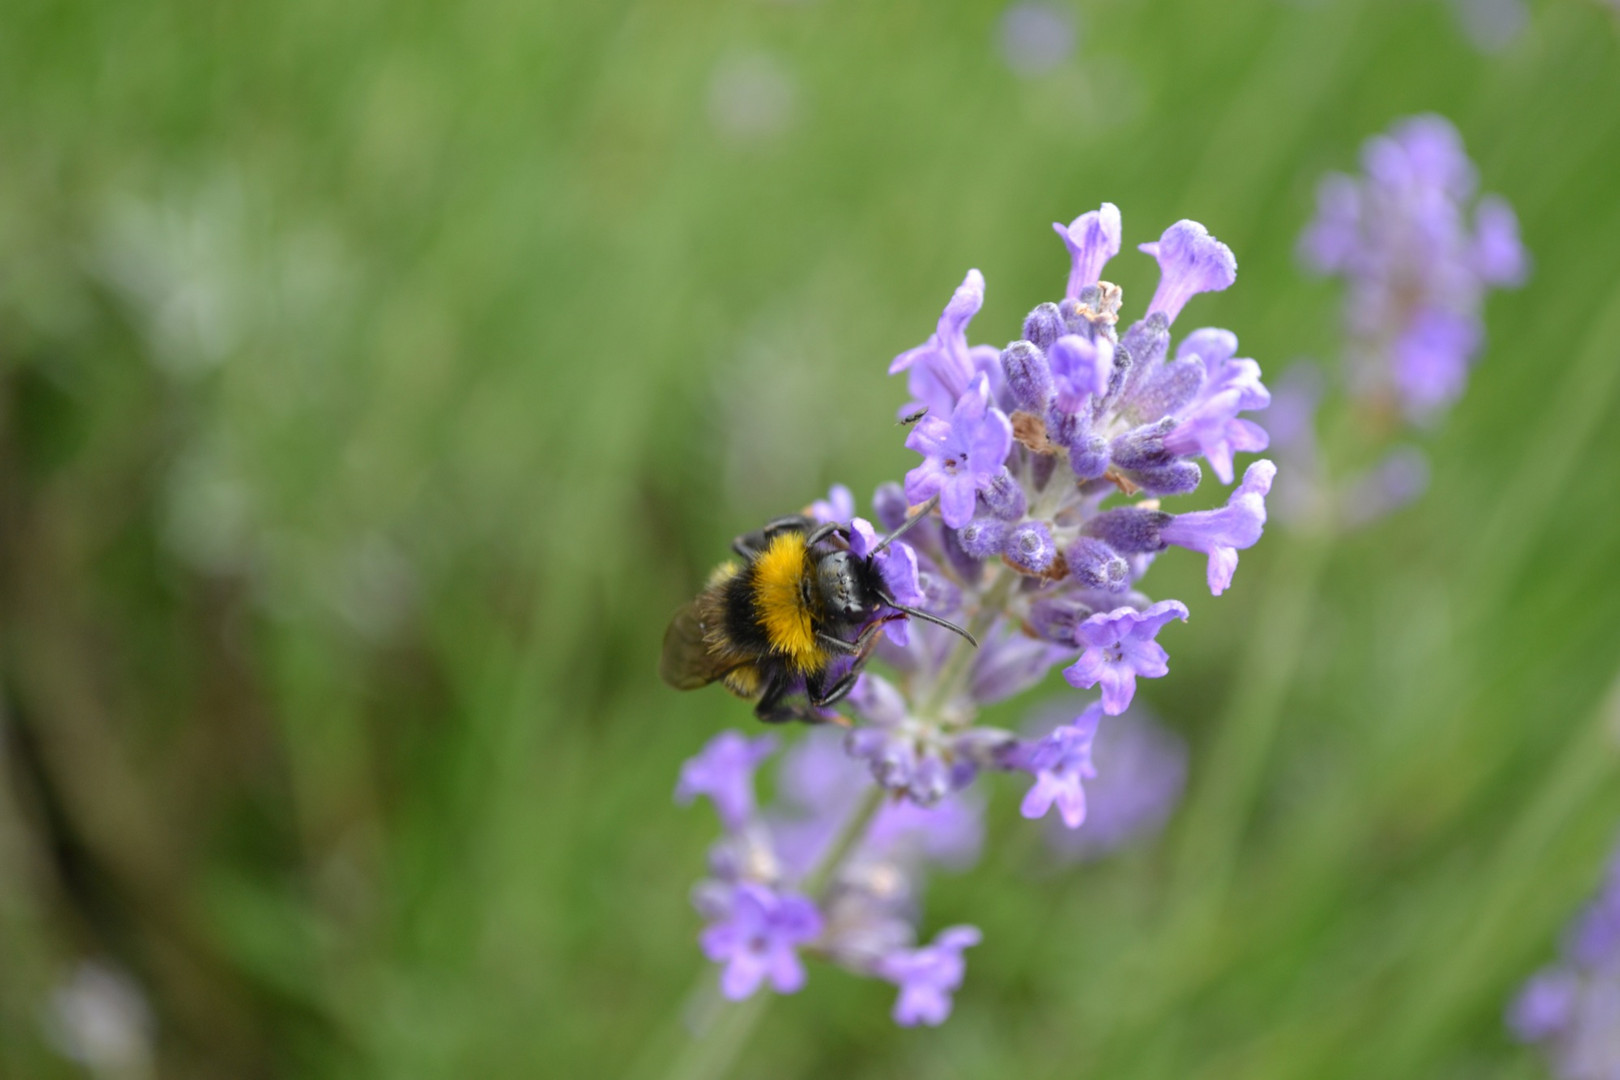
(955, 670)
(709, 1055)
(848, 838)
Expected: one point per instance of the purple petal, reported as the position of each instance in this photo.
(1118, 687)
(1498, 254)
(724, 772)
(743, 973)
(839, 505)
(786, 973)
(1092, 239)
(957, 496)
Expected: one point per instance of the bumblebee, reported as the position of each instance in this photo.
(779, 622)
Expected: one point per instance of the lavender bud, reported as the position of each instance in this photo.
(889, 505)
(1143, 447)
(1147, 341)
(1065, 428)
(985, 747)
(1130, 529)
(1030, 547)
(1095, 565)
(1009, 665)
(983, 537)
(1043, 326)
(1176, 478)
(1170, 389)
(1004, 498)
(1089, 459)
(969, 569)
(1055, 618)
(930, 781)
(940, 596)
(1029, 376)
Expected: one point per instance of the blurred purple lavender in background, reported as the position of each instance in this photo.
(1045, 461)
(1418, 249)
(1035, 38)
(1572, 1007)
(1419, 252)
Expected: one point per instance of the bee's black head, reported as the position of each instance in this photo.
(849, 593)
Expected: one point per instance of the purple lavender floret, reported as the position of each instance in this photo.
(1417, 269)
(1029, 524)
(1092, 239)
(1572, 1007)
(1119, 647)
(941, 369)
(1190, 262)
(757, 940)
(928, 977)
(960, 457)
(1545, 1006)
(838, 506)
(1059, 763)
(1222, 533)
(1209, 423)
(724, 771)
(1141, 772)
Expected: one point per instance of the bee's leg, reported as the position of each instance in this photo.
(863, 643)
(771, 708)
(837, 644)
(831, 528)
(749, 545)
(839, 690)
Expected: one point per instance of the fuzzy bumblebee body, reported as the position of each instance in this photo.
(780, 622)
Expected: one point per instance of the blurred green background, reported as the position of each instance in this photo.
(376, 378)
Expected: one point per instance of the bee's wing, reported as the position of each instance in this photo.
(687, 661)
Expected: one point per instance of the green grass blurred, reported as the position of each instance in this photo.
(377, 378)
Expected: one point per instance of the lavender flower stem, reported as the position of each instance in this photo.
(848, 839)
(956, 666)
(710, 1055)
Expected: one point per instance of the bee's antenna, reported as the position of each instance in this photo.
(926, 617)
(905, 526)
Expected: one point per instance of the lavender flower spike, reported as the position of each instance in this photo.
(1416, 272)
(1009, 566)
(1060, 761)
(927, 977)
(1120, 646)
(1220, 534)
(1190, 262)
(1092, 239)
(724, 771)
(943, 366)
(757, 937)
(960, 457)
(1572, 1007)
